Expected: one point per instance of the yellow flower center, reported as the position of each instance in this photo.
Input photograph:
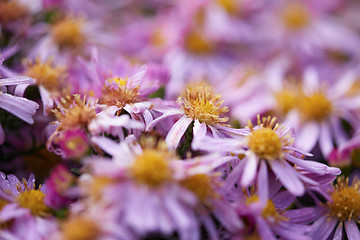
(269, 211)
(80, 228)
(345, 204)
(45, 74)
(196, 43)
(315, 107)
(286, 100)
(264, 141)
(199, 102)
(68, 33)
(200, 185)
(2, 203)
(295, 16)
(98, 185)
(116, 93)
(74, 112)
(33, 200)
(158, 38)
(11, 11)
(151, 168)
(230, 6)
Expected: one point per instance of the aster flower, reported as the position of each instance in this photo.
(340, 212)
(149, 173)
(267, 145)
(24, 205)
(199, 104)
(268, 219)
(317, 117)
(50, 79)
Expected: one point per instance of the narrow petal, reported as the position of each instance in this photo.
(16, 80)
(162, 117)
(177, 131)
(307, 136)
(312, 166)
(325, 140)
(283, 199)
(263, 183)
(250, 167)
(288, 176)
(338, 232)
(264, 230)
(352, 230)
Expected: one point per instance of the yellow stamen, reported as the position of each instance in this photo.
(200, 185)
(33, 200)
(315, 107)
(230, 6)
(196, 43)
(74, 112)
(3, 203)
(199, 102)
(45, 74)
(345, 200)
(116, 93)
(295, 15)
(68, 33)
(286, 100)
(158, 38)
(97, 186)
(151, 168)
(11, 11)
(80, 228)
(264, 141)
(269, 211)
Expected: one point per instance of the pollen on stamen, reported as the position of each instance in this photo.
(295, 15)
(45, 73)
(11, 11)
(68, 32)
(264, 141)
(33, 199)
(269, 211)
(117, 93)
(201, 103)
(196, 43)
(80, 228)
(345, 200)
(315, 107)
(200, 185)
(151, 168)
(74, 112)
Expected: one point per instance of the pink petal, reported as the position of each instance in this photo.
(177, 131)
(288, 176)
(250, 167)
(352, 230)
(307, 136)
(325, 140)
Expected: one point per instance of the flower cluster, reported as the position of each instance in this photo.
(154, 119)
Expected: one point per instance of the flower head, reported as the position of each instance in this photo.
(201, 103)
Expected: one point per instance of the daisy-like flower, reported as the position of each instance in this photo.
(50, 79)
(20, 107)
(269, 219)
(319, 112)
(341, 211)
(154, 191)
(69, 36)
(22, 205)
(199, 104)
(267, 145)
